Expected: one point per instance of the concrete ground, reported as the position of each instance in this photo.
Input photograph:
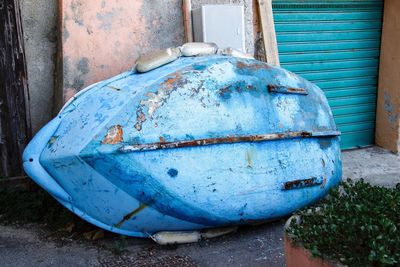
(30, 245)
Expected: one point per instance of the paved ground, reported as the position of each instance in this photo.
(250, 246)
(374, 164)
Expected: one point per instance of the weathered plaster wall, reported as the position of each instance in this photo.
(103, 38)
(388, 106)
(100, 39)
(39, 21)
(97, 40)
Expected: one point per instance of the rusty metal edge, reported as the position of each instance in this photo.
(224, 140)
(286, 90)
(302, 183)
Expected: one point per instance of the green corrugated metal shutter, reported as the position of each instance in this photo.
(335, 44)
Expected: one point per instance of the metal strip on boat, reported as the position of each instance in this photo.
(302, 183)
(224, 140)
(286, 90)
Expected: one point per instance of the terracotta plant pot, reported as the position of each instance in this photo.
(297, 256)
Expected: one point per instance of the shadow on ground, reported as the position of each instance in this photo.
(35, 230)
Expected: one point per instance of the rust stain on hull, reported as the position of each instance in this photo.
(223, 140)
(170, 82)
(113, 136)
(155, 100)
(140, 118)
(131, 214)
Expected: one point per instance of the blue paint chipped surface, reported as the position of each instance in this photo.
(173, 173)
(190, 187)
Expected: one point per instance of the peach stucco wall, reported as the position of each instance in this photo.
(101, 38)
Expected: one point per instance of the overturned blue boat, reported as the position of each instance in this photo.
(198, 143)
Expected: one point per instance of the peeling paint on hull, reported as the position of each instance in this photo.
(201, 142)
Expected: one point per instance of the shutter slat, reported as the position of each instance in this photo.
(335, 44)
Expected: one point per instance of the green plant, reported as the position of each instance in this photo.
(358, 224)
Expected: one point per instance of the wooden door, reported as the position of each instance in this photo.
(15, 127)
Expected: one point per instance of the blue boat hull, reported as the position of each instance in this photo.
(199, 143)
